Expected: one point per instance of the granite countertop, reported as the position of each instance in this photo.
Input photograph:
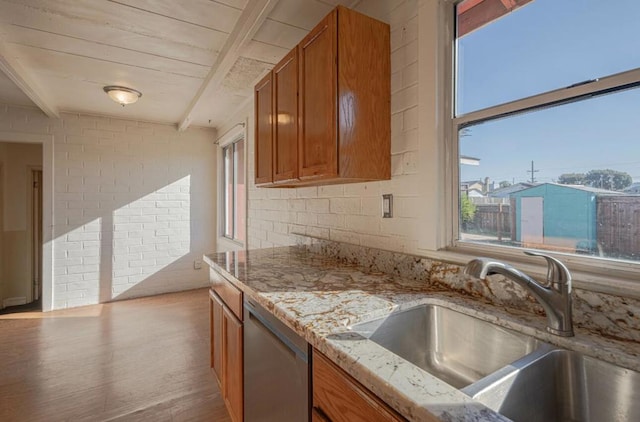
(320, 297)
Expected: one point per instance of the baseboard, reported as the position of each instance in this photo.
(14, 301)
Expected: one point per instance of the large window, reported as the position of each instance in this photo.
(233, 198)
(546, 109)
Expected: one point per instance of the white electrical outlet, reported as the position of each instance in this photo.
(197, 264)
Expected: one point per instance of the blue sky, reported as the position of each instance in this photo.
(546, 45)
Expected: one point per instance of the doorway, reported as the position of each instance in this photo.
(36, 234)
(532, 221)
(21, 227)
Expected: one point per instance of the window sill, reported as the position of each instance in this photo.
(617, 278)
(226, 244)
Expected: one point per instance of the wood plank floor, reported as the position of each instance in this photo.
(137, 360)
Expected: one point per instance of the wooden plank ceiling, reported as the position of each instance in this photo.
(195, 61)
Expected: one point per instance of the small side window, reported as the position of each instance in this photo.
(233, 187)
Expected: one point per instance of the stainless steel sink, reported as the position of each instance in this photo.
(563, 386)
(457, 348)
(516, 375)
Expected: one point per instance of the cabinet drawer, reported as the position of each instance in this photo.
(230, 294)
(340, 398)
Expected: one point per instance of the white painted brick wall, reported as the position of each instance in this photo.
(352, 212)
(134, 205)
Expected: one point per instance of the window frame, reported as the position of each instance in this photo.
(230, 140)
(229, 220)
(593, 273)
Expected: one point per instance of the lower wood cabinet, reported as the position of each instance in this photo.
(338, 397)
(316, 416)
(232, 388)
(227, 352)
(215, 317)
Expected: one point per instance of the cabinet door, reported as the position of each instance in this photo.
(285, 106)
(364, 92)
(215, 313)
(264, 130)
(341, 398)
(318, 146)
(232, 365)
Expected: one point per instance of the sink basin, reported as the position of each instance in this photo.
(457, 348)
(564, 386)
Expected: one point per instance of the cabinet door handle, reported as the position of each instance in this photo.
(266, 327)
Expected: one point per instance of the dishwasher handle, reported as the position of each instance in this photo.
(267, 326)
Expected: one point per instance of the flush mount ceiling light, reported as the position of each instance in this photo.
(122, 95)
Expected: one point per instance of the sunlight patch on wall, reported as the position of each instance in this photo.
(150, 235)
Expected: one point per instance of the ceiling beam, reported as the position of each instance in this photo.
(509, 4)
(474, 14)
(20, 76)
(252, 17)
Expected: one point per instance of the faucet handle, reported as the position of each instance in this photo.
(557, 273)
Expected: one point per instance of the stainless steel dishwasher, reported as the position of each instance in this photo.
(276, 369)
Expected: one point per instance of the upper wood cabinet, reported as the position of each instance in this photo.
(285, 122)
(341, 75)
(318, 86)
(264, 130)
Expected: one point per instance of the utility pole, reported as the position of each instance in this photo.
(533, 172)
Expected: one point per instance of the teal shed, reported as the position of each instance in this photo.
(562, 216)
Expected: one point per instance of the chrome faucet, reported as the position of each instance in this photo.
(555, 296)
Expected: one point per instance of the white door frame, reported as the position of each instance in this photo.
(31, 169)
(47, 206)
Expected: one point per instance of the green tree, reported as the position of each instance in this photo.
(467, 209)
(505, 184)
(572, 179)
(608, 179)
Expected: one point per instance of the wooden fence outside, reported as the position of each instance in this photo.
(618, 226)
(494, 219)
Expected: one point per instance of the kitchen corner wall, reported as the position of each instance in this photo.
(353, 212)
(133, 204)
